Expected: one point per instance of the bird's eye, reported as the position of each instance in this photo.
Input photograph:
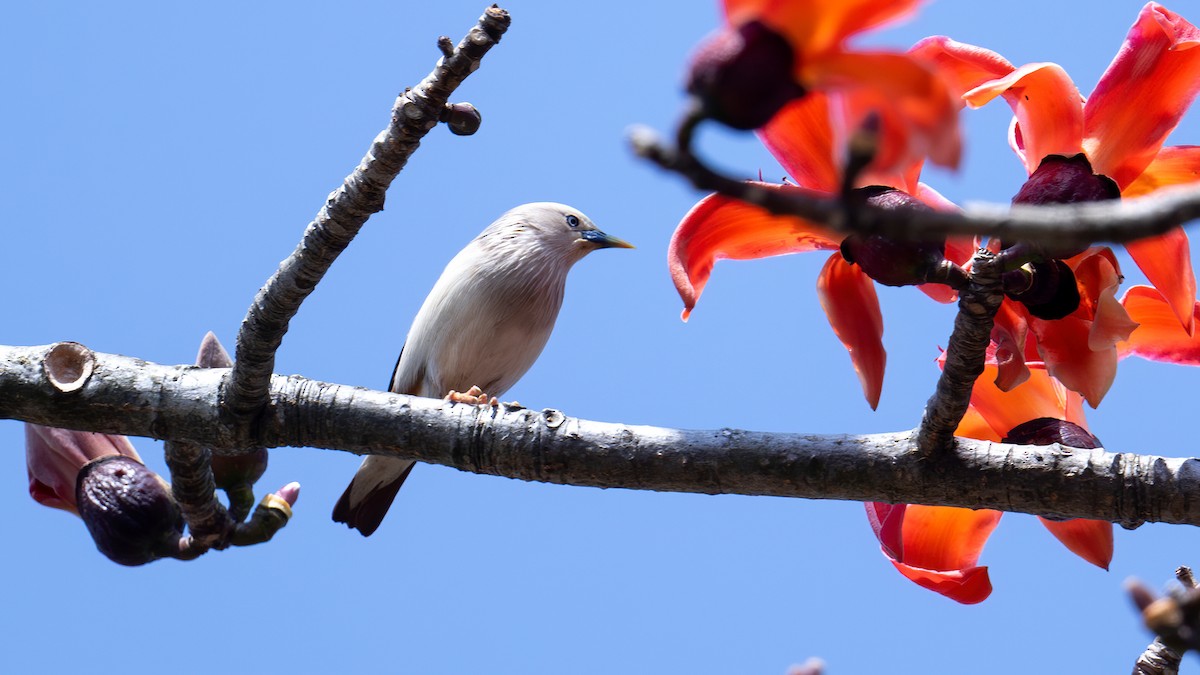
(573, 220)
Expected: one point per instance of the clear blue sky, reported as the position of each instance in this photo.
(159, 160)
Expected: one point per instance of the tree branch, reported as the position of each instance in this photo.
(1117, 221)
(1176, 621)
(192, 484)
(965, 354)
(181, 403)
(346, 210)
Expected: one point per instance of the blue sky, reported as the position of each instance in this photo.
(161, 159)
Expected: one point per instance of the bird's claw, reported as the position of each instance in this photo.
(472, 396)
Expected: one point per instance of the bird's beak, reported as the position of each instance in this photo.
(601, 240)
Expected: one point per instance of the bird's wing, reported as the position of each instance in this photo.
(396, 370)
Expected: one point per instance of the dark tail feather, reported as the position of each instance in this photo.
(367, 514)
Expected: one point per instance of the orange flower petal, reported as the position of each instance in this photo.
(1039, 396)
(946, 537)
(1167, 262)
(974, 425)
(718, 227)
(1091, 540)
(959, 249)
(1143, 94)
(1174, 165)
(939, 293)
(918, 117)
(1063, 345)
(961, 65)
(936, 546)
(1098, 276)
(800, 136)
(969, 586)
(814, 27)
(849, 300)
(1048, 109)
(1159, 336)
(1112, 323)
(1080, 349)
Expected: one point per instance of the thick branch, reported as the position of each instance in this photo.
(346, 210)
(130, 396)
(1059, 224)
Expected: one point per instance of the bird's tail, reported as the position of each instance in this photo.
(369, 495)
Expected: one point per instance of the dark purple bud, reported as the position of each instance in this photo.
(129, 511)
(1047, 289)
(1066, 180)
(234, 471)
(1048, 431)
(462, 118)
(743, 76)
(890, 262)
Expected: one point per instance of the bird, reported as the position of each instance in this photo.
(480, 329)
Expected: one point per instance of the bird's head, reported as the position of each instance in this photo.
(554, 229)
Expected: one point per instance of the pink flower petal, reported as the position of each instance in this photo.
(887, 521)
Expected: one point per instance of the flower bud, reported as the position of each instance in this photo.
(890, 262)
(1048, 431)
(235, 471)
(462, 118)
(743, 75)
(128, 510)
(1066, 180)
(1047, 289)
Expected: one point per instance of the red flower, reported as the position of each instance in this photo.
(1117, 133)
(938, 546)
(772, 52)
(801, 137)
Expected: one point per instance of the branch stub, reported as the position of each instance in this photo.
(68, 366)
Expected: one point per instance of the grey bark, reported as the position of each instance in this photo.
(181, 403)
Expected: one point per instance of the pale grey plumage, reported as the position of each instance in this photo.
(484, 324)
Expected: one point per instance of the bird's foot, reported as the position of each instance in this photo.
(472, 396)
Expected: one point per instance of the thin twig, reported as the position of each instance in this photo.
(1175, 619)
(192, 484)
(133, 397)
(1059, 224)
(345, 212)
